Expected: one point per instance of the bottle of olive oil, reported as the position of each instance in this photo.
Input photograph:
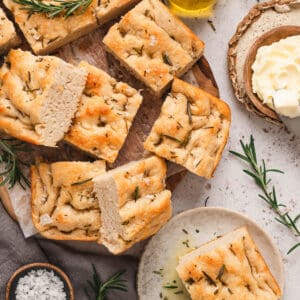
(192, 8)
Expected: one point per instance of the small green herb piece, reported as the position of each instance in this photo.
(259, 174)
(12, 174)
(209, 279)
(170, 286)
(81, 182)
(139, 51)
(56, 7)
(101, 289)
(185, 231)
(221, 272)
(172, 138)
(212, 25)
(189, 111)
(178, 292)
(167, 59)
(136, 193)
(160, 272)
(186, 243)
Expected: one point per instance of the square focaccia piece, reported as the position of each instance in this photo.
(134, 203)
(8, 36)
(64, 206)
(45, 34)
(229, 268)
(39, 96)
(154, 44)
(105, 115)
(192, 129)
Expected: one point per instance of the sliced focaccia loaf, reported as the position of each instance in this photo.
(39, 96)
(134, 203)
(192, 129)
(8, 35)
(64, 206)
(229, 268)
(105, 115)
(154, 44)
(45, 33)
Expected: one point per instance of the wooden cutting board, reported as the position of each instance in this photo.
(91, 49)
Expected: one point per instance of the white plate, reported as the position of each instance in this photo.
(193, 228)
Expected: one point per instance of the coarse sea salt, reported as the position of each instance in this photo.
(40, 284)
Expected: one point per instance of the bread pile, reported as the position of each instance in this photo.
(44, 100)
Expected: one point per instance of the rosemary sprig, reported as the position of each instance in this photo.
(259, 173)
(12, 174)
(60, 8)
(101, 289)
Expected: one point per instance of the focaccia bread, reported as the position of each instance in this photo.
(8, 36)
(64, 206)
(134, 203)
(154, 44)
(45, 34)
(39, 96)
(192, 129)
(229, 268)
(105, 115)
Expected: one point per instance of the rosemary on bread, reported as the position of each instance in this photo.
(12, 173)
(56, 7)
(259, 173)
(100, 289)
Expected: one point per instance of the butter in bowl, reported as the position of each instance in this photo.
(272, 75)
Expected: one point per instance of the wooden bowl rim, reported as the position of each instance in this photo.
(42, 265)
(263, 40)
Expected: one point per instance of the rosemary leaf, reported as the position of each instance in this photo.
(56, 7)
(12, 174)
(136, 193)
(81, 182)
(166, 59)
(101, 289)
(259, 173)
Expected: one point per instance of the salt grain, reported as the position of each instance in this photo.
(40, 285)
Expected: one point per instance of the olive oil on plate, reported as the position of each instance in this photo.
(173, 287)
(192, 8)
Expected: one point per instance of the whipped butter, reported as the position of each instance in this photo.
(276, 76)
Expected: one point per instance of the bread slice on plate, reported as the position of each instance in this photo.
(39, 96)
(230, 267)
(8, 36)
(134, 203)
(105, 115)
(46, 34)
(64, 206)
(154, 44)
(192, 129)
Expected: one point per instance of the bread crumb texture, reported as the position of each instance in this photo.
(134, 203)
(46, 34)
(192, 129)
(154, 44)
(64, 206)
(105, 115)
(230, 267)
(39, 96)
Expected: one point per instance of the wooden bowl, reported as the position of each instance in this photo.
(266, 39)
(13, 281)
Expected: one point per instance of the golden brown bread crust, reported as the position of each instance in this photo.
(154, 44)
(233, 270)
(47, 34)
(105, 115)
(63, 204)
(134, 202)
(38, 95)
(192, 129)
(8, 36)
